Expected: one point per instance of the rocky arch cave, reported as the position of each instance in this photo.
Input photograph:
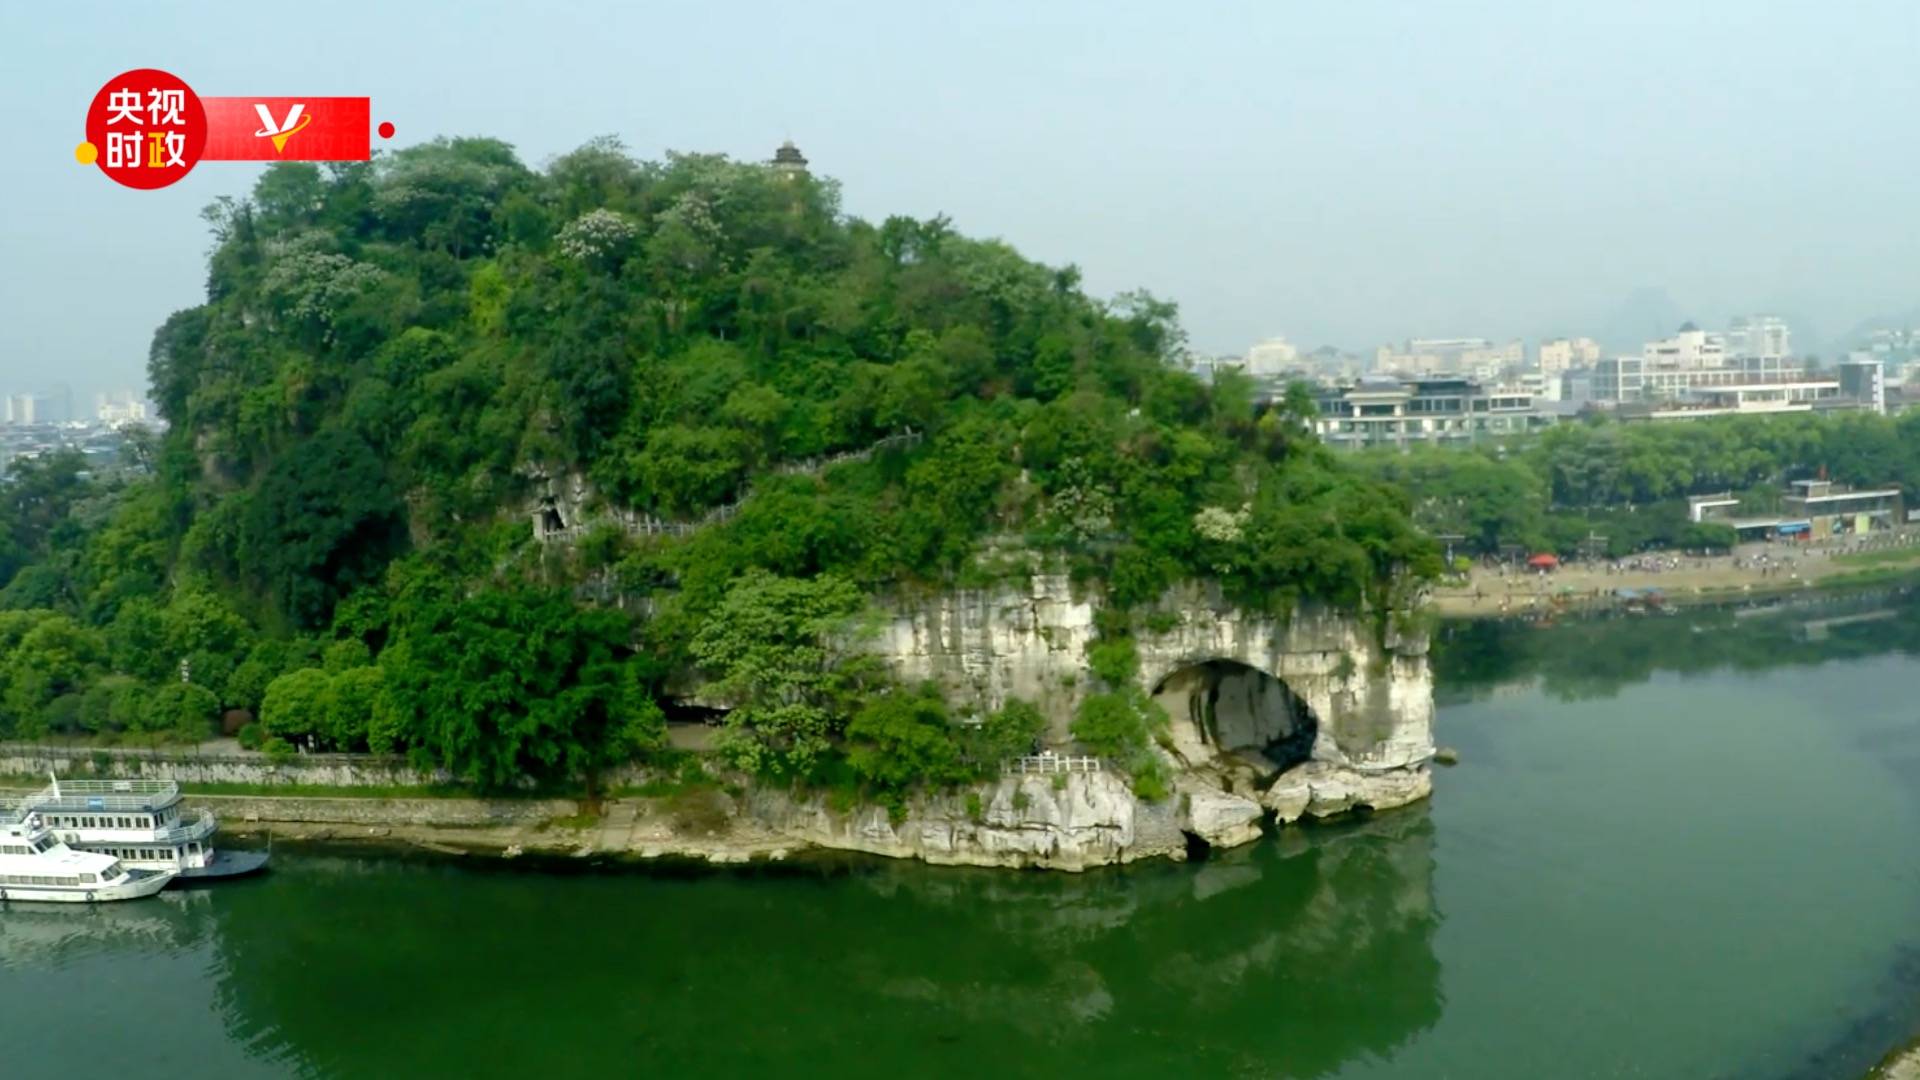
(1241, 712)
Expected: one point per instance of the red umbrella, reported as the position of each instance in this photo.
(1543, 561)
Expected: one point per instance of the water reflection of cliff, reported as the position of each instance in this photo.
(1288, 958)
(1587, 658)
(1285, 959)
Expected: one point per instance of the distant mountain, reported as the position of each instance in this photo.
(1645, 314)
(1857, 337)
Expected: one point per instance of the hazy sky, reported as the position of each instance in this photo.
(1343, 173)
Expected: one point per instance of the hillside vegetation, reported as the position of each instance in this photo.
(395, 357)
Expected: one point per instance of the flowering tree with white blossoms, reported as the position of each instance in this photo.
(598, 237)
(1222, 526)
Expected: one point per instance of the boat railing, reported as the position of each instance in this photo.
(84, 796)
(192, 827)
(195, 825)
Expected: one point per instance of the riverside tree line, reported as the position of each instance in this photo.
(1629, 482)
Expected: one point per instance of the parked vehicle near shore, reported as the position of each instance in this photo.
(142, 823)
(36, 865)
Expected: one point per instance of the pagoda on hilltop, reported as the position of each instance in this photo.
(789, 160)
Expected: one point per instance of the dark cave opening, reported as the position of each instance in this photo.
(1242, 711)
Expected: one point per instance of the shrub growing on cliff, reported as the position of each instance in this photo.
(903, 738)
(1122, 726)
(1011, 731)
(1109, 725)
(1114, 660)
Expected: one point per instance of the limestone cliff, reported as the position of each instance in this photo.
(1313, 715)
(1081, 820)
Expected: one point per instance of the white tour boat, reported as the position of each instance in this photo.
(141, 823)
(36, 865)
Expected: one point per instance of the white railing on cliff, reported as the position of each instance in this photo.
(639, 523)
(1049, 763)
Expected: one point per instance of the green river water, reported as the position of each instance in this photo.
(1677, 846)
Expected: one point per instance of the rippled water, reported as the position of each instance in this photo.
(1676, 847)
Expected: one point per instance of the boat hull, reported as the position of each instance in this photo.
(146, 884)
(225, 864)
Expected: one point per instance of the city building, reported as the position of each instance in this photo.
(1767, 367)
(1576, 386)
(1618, 378)
(29, 409)
(49, 408)
(1863, 378)
(1271, 357)
(123, 407)
(1674, 384)
(1475, 358)
(1695, 372)
(1764, 337)
(1561, 354)
(1383, 410)
(1689, 347)
(1898, 348)
(1741, 398)
(1544, 386)
(1809, 510)
(1204, 367)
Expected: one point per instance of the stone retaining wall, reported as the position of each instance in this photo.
(217, 764)
(190, 765)
(441, 813)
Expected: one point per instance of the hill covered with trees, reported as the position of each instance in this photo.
(396, 357)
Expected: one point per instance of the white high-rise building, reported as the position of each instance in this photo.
(1272, 357)
(125, 407)
(1477, 358)
(1759, 337)
(25, 409)
(1688, 349)
(1561, 354)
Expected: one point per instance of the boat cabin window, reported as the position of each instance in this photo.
(36, 879)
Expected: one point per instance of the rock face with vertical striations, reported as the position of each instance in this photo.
(1310, 716)
(1087, 819)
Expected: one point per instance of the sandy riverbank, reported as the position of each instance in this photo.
(1751, 570)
